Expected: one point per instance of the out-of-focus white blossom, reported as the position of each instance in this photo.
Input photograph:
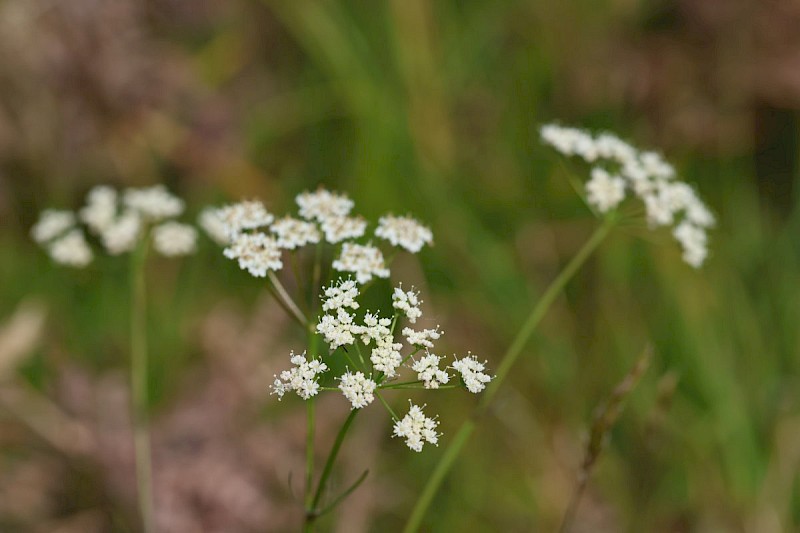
(71, 250)
(174, 239)
(405, 232)
(51, 224)
(357, 388)
(256, 252)
(293, 233)
(123, 233)
(341, 294)
(339, 228)
(422, 338)
(100, 209)
(245, 215)
(605, 191)
(618, 166)
(337, 330)
(302, 378)
(428, 371)
(322, 204)
(153, 203)
(365, 261)
(472, 372)
(417, 429)
(212, 223)
(385, 356)
(407, 302)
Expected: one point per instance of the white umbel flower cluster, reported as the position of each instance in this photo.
(357, 388)
(173, 239)
(428, 371)
(256, 253)
(71, 249)
(365, 261)
(423, 338)
(404, 232)
(245, 215)
(472, 372)
(119, 222)
(323, 204)
(386, 357)
(210, 219)
(341, 294)
(338, 229)
(407, 302)
(619, 168)
(292, 233)
(302, 379)
(417, 429)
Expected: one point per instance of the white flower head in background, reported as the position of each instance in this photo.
(172, 239)
(256, 253)
(417, 428)
(357, 388)
(71, 249)
(123, 233)
(100, 209)
(404, 232)
(244, 215)
(212, 223)
(153, 203)
(322, 204)
(292, 233)
(618, 168)
(340, 228)
(51, 224)
(365, 261)
(472, 372)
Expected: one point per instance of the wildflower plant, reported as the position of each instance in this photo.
(618, 171)
(124, 222)
(378, 354)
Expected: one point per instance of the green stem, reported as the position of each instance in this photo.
(507, 362)
(310, 430)
(311, 512)
(139, 402)
(287, 300)
(387, 406)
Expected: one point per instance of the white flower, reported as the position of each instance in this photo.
(374, 328)
(339, 228)
(428, 371)
(694, 242)
(342, 294)
(422, 338)
(407, 302)
(153, 203)
(213, 224)
(337, 330)
(357, 388)
(302, 378)
(173, 239)
(100, 209)
(51, 224)
(365, 261)
(604, 191)
(417, 429)
(386, 356)
(322, 204)
(293, 233)
(122, 234)
(472, 372)
(256, 252)
(71, 250)
(245, 215)
(404, 232)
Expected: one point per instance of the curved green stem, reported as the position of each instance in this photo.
(311, 512)
(139, 402)
(507, 362)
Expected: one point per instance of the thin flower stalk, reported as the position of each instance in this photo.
(538, 312)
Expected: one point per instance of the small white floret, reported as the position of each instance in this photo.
(292, 233)
(357, 388)
(256, 252)
(100, 209)
(341, 294)
(51, 224)
(365, 261)
(428, 371)
(302, 378)
(604, 191)
(322, 204)
(407, 302)
(472, 372)
(71, 250)
(339, 228)
(214, 226)
(122, 235)
(417, 429)
(405, 232)
(423, 338)
(245, 215)
(153, 203)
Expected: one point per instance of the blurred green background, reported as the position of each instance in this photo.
(430, 108)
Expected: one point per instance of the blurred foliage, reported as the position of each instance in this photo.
(433, 108)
